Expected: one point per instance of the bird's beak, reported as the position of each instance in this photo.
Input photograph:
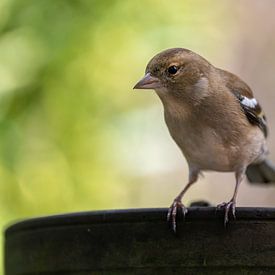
(148, 82)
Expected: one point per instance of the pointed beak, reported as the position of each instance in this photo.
(148, 82)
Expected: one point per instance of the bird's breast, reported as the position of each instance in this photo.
(208, 148)
(203, 148)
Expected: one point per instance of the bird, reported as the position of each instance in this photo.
(214, 119)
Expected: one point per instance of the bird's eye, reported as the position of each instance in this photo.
(172, 69)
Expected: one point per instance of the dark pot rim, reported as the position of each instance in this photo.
(136, 216)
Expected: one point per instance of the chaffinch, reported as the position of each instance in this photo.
(213, 117)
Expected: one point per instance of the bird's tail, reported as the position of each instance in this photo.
(263, 172)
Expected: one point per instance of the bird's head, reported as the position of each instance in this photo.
(173, 71)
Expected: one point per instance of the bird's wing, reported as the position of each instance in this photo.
(249, 104)
(253, 111)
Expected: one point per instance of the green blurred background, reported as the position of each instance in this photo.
(74, 135)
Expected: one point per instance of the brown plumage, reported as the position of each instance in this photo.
(212, 116)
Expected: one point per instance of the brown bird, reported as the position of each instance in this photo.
(213, 117)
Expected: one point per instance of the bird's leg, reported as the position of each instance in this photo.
(172, 211)
(231, 205)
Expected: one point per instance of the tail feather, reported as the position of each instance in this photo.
(263, 172)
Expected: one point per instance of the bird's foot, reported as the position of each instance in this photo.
(227, 207)
(172, 212)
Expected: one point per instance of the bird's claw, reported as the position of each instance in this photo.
(227, 207)
(172, 213)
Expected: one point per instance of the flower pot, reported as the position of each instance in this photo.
(139, 241)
